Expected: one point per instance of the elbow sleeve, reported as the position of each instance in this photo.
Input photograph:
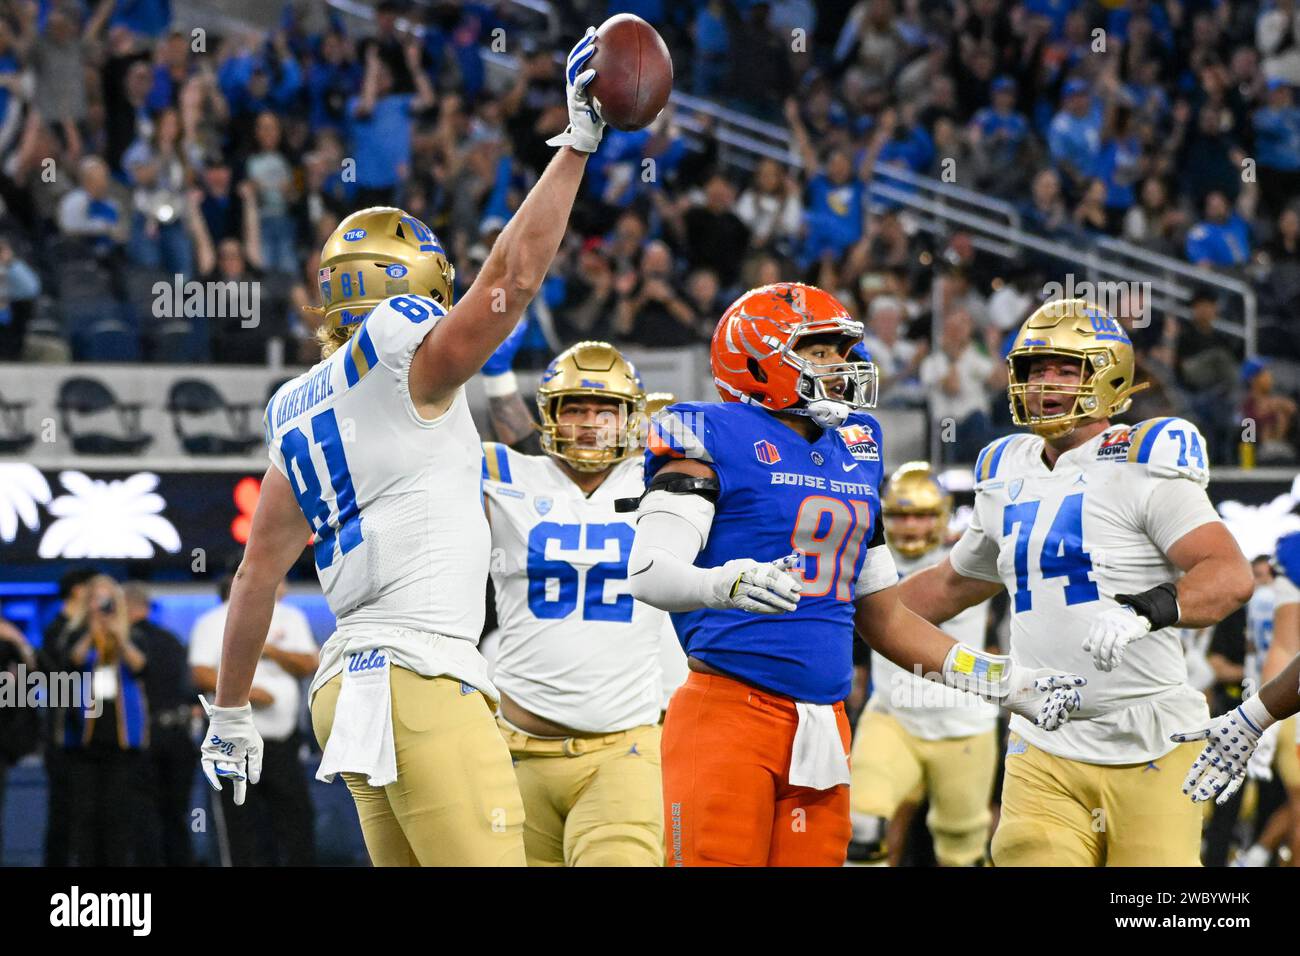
(670, 532)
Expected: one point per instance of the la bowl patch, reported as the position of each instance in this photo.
(1116, 446)
(396, 270)
(860, 442)
(352, 235)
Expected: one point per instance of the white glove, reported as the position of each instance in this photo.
(747, 585)
(1221, 768)
(585, 125)
(232, 748)
(1261, 765)
(1045, 696)
(1111, 633)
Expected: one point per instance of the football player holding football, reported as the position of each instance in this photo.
(374, 453)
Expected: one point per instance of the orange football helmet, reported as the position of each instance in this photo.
(753, 354)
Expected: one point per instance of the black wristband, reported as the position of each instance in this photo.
(1158, 605)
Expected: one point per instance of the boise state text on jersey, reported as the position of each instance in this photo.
(780, 492)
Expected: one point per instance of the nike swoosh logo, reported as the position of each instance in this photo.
(849, 467)
(643, 570)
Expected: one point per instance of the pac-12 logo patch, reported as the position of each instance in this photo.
(860, 442)
(766, 452)
(543, 504)
(395, 271)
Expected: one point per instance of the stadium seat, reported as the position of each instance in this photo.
(14, 436)
(181, 340)
(196, 397)
(83, 395)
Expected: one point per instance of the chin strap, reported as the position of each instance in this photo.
(823, 411)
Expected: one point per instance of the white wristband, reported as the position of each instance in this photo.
(1256, 713)
(499, 386)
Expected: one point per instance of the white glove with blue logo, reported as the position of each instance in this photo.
(585, 125)
(1231, 739)
(232, 748)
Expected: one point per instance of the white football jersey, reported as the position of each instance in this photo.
(574, 647)
(926, 708)
(401, 540)
(1064, 541)
(1259, 632)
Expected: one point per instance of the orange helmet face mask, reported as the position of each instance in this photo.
(754, 356)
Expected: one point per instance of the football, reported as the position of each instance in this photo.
(634, 72)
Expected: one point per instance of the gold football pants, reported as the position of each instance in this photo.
(1060, 812)
(455, 801)
(891, 766)
(591, 801)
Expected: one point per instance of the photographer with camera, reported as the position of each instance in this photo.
(107, 739)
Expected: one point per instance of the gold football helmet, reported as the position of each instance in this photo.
(1078, 329)
(591, 370)
(373, 254)
(914, 490)
(656, 402)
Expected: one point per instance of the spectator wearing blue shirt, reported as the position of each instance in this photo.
(1222, 238)
(172, 70)
(147, 17)
(1121, 165)
(90, 212)
(1277, 145)
(835, 199)
(712, 43)
(1074, 136)
(331, 78)
(999, 136)
(380, 128)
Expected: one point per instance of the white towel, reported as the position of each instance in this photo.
(361, 740)
(818, 759)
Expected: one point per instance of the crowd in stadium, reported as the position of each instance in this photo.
(231, 157)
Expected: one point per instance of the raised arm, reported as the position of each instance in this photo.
(520, 258)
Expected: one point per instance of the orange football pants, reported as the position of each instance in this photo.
(726, 759)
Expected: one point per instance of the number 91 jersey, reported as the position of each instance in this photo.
(781, 493)
(401, 539)
(574, 647)
(1064, 541)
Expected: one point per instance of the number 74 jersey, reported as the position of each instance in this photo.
(1063, 542)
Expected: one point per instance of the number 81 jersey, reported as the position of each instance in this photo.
(574, 646)
(1064, 541)
(401, 539)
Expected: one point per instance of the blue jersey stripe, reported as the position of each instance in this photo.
(1149, 440)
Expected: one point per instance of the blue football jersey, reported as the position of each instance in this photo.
(780, 493)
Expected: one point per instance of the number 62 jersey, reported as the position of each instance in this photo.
(574, 646)
(1064, 541)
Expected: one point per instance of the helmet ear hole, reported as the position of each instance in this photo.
(755, 369)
